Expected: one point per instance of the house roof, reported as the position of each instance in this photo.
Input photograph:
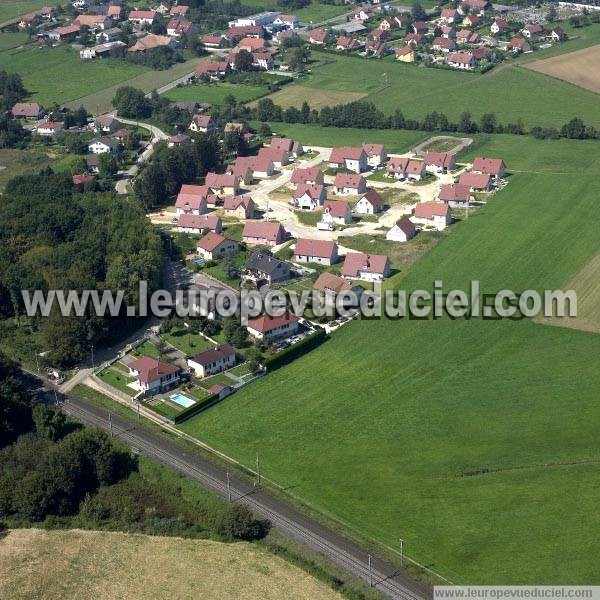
(320, 248)
(373, 198)
(348, 180)
(245, 30)
(214, 354)
(337, 208)
(517, 42)
(454, 192)
(357, 262)
(181, 9)
(269, 230)
(266, 323)
(428, 210)
(234, 202)
(328, 281)
(141, 14)
(406, 225)
(150, 41)
(475, 180)
(219, 180)
(193, 196)
(179, 25)
(263, 262)
(465, 58)
(199, 221)
(340, 155)
(449, 12)
(403, 51)
(83, 179)
(26, 109)
(302, 175)
(273, 154)
(90, 20)
(283, 143)
(178, 138)
(217, 388)
(415, 166)
(397, 163)
(202, 120)
(151, 369)
(374, 149)
(534, 28)
(210, 66)
(211, 241)
(483, 164)
(105, 120)
(314, 191)
(439, 159)
(443, 42)
(212, 39)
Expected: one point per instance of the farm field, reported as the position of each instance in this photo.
(9, 9)
(416, 91)
(43, 72)
(451, 435)
(288, 96)
(395, 140)
(314, 12)
(56, 564)
(12, 39)
(15, 162)
(215, 93)
(579, 68)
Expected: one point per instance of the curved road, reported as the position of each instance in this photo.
(392, 582)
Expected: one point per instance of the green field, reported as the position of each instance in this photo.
(15, 162)
(416, 91)
(12, 39)
(215, 93)
(9, 9)
(44, 72)
(475, 441)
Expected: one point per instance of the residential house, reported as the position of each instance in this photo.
(492, 166)
(440, 162)
(81, 181)
(476, 6)
(331, 286)
(353, 159)
(388, 23)
(242, 168)
(336, 212)
(223, 183)
(309, 197)
(472, 21)
(308, 175)
(191, 200)
(268, 233)
(289, 21)
(292, 147)
(532, 31)
(100, 51)
(558, 34)
(179, 11)
(349, 183)
(67, 32)
(405, 54)
(406, 168)
(214, 246)
(49, 128)
(442, 44)
(347, 43)
(108, 35)
(462, 60)
(152, 41)
(214, 40)
(477, 182)
(241, 207)
(447, 31)
(177, 140)
(178, 27)
(115, 12)
(363, 14)
(262, 267)
(376, 154)
(193, 223)
(317, 37)
(203, 124)
(402, 231)
(94, 22)
(414, 39)
(420, 27)
(432, 214)
(368, 267)
(245, 31)
(211, 361)
(154, 376)
(519, 45)
(449, 15)
(261, 167)
(370, 204)
(499, 26)
(322, 252)
(267, 329)
(27, 110)
(212, 69)
(455, 194)
(142, 17)
(106, 124)
(464, 36)
(104, 145)
(278, 156)
(92, 163)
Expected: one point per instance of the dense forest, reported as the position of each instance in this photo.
(57, 473)
(52, 237)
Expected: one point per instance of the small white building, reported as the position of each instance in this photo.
(403, 231)
(212, 361)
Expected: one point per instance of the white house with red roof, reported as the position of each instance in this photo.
(349, 183)
(180, 9)
(309, 197)
(432, 214)
(490, 166)
(518, 44)
(322, 252)
(49, 128)
(188, 223)
(402, 231)
(292, 147)
(154, 376)
(278, 156)
(455, 194)
(203, 124)
(499, 26)
(403, 168)
(336, 212)
(142, 17)
(376, 154)
(440, 162)
(223, 183)
(370, 203)
(532, 30)
(268, 233)
(308, 175)
(191, 200)
(241, 207)
(462, 60)
(317, 36)
(477, 182)
(368, 267)
(267, 328)
(449, 15)
(353, 159)
(27, 110)
(214, 246)
(214, 360)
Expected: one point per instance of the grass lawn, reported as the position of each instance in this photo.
(217, 271)
(146, 349)
(12, 39)
(15, 162)
(10, 9)
(215, 93)
(241, 370)
(187, 342)
(166, 409)
(214, 379)
(534, 98)
(117, 379)
(475, 441)
(309, 217)
(43, 72)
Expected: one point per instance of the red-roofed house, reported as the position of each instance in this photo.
(432, 214)
(455, 194)
(179, 27)
(368, 267)
(558, 34)
(191, 200)
(349, 183)
(371, 203)
(154, 376)
(180, 9)
(477, 182)
(268, 233)
(317, 36)
(336, 211)
(50, 128)
(142, 17)
(267, 328)
(462, 60)
(499, 26)
(402, 231)
(241, 207)
(214, 245)
(242, 31)
(199, 223)
(532, 31)
(309, 197)
(214, 41)
(203, 124)
(347, 43)
(491, 166)
(440, 162)
(376, 154)
(353, 159)
(212, 68)
(519, 45)
(223, 183)
(322, 252)
(308, 175)
(293, 147)
(278, 156)
(80, 181)
(442, 44)
(27, 110)
(449, 15)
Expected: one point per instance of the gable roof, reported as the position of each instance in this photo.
(348, 180)
(234, 202)
(357, 262)
(211, 241)
(219, 180)
(454, 192)
(439, 159)
(215, 354)
(475, 180)
(266, 323)
(26, 109)
(493, 166)
(320, 248)
(337, 208)
(328, 281)
(340, 155)
(314, 191)
(318, 35)
(373, 198)
(406, 225)
(193, 196)
(264, 262)
(428, 210)
(199, 221)
(269, 230)
(374, 149)
(304, 174)
(151, 369)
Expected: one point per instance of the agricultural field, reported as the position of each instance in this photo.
(215, 93)
(9, 9)
(451, 434)
(35, 563)
(579, 68)
(416, 91)
(15, 162)
(288, 96)
(12, 39)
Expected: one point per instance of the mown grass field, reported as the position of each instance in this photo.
(535, 98)
(44, 72)
(215, 93)
(9, 9)
(474, 441)
(76, 564)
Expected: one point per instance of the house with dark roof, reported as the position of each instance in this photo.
(322, 252)
(27, 110)
(214, 360)
(262, 267)
(370, 203)
(402, 231)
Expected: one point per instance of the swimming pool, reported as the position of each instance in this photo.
(182, 400)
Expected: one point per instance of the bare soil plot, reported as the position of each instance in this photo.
(581, 68)
(295, 95)
(92, 564)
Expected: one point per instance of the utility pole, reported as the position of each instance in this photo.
(228, 488)
(370, 571)
(401, 552)
(110, 424)
(257, 469)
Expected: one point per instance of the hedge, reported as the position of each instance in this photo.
(296, 350)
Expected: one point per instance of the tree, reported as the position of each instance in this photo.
(195, 45)
(234, 333)
(417, 11)
(107, 165)
(158, 26)
(488, 123)
(238, 523)
(551, 15)
(574, 129)
(49, 422)
(243, 61)
(150, 186)
(132, 103)
(298, 57)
